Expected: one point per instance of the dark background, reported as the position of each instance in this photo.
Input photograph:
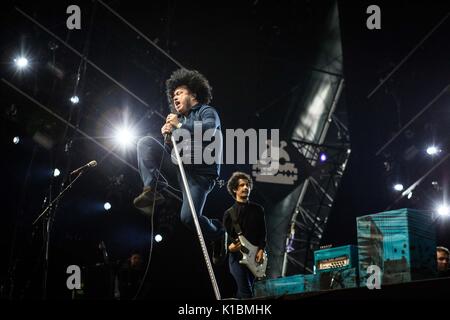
(253, 53)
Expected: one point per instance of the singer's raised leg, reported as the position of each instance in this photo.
(149, 154)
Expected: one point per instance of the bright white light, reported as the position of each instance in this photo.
(158, 238)
(74, 99)
(443, 210)
(125, 137)
(398, 187)
(410, 195)
(433, 150)
(323, 157)
(21, 62)
(107, 206)
(56, 172)
(16, 140)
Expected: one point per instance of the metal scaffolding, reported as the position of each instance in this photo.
(314, 204)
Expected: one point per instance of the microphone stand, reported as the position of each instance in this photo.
(49, 218)
(194, 216)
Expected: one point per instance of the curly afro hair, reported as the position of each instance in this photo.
(234, 180)
(194, 80)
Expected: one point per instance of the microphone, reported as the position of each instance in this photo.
(167, 136)
(91, 164)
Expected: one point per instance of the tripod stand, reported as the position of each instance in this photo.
(49, 213)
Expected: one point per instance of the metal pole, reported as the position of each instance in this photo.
(383, 81)
(88, 61)
(444, 91)
(141, 34)
(197, 225)
(81, 132)
(415, 184)
(307, 181)
(46, 260)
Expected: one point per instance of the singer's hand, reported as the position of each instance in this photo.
(172, 118)
(166, 129)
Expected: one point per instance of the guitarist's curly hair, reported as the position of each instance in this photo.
(234, 180)
(194, 80)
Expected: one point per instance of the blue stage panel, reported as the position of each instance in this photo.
(279, 286)
(401, 242)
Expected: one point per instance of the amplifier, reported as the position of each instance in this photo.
(344, 257)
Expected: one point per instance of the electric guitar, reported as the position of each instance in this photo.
(249, 251)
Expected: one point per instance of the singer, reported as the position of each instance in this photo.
(189, 94)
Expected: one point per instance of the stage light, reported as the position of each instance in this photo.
(409, 196)
(443, 210)
(398, 187)
(323, 157)
(107, 206)
(433, 150)
(436, 186)
(74, 99)
(56, 172)
(125, 137)
(158, 238)
(21, 62)
(16, 140)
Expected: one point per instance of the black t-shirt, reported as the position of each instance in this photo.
(250, 217)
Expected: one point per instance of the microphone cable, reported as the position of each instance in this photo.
(144, 277)
(159, 175)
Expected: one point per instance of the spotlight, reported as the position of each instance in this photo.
(21, 62)
(433, 150)
(443, 210)
(436, 186)
(398, 187)
(158, 238)
(125, 137)
(74, 99)
(16, 140)
(56, 172)
(107, 206)
(323, 157)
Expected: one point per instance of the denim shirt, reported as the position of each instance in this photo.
(209, 119)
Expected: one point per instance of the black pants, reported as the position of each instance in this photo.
(242, 275)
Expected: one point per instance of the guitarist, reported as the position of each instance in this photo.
(249, 218)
